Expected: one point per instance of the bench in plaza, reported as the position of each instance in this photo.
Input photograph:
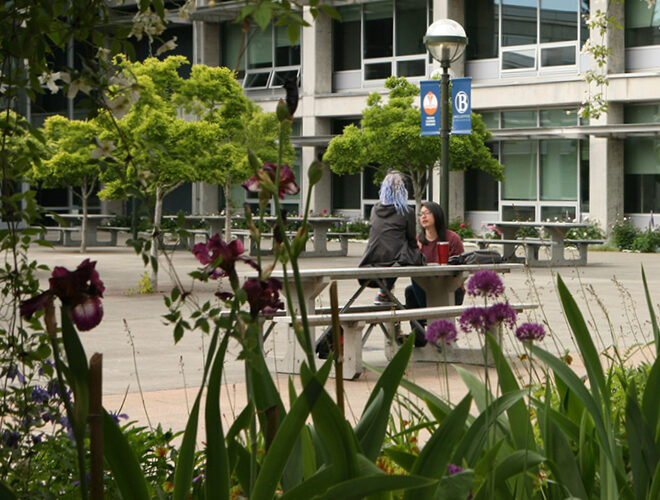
(114, 232)
(63, 234)
(343, 238)
(353, 323)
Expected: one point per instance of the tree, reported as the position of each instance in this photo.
(71, 161)
(215, 97)
(390, 138)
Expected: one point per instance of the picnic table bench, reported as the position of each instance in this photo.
(353, 323)
(343, 238)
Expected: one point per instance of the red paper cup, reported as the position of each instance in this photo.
(443, 252)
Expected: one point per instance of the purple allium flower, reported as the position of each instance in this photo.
(529, 332)
(453, 469)
(485, 283)
(502, 313)
(263, 295)
(474, 319)
(220, 257)
(81, 290)
(118, 416)
(267, 174)
(442, 330)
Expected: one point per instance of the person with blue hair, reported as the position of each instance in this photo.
(392, 239)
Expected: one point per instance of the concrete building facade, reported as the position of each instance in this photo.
(527, 62)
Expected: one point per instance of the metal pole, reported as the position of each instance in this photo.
(444, 134)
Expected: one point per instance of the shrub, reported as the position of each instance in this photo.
(592, 232)
(462, 227)
(624, 234)
(647, 242)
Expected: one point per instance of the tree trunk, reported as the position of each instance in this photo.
(155, 236)
(83, 226)
(417, 194)
(227, 191)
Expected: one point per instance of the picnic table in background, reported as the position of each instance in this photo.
(557, 242)
(72, 224)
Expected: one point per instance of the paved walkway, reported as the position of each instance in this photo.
(139, 351)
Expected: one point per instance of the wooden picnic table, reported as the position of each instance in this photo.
(557, 242)
(438, 280)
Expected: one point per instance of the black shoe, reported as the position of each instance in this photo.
(383, 300)
(420, 340)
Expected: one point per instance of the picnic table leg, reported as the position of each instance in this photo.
(320, 237)
(353, 349)
(557, 250)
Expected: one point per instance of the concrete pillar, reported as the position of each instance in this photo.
(606, 153)
(207, 44)
(451, 9)
(316, 79)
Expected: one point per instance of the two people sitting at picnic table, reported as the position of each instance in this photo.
(393, 242)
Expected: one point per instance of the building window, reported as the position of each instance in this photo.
(641, 163)
(642, 23)
(527, 35)
(382, 39)
(270, 58)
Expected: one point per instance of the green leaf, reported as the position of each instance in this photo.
(651, 398)
(575, 384)
(217, 461)
(432, 460)
(183, 473)
(318, 483)
(361, 487)
(402, 458)
(457, 486)
(370, 430)
(585, 343)
(654, 319)
(123, 462)
(78, 370)
(331, 11)
(273, 465)
(516, 463)
(6, 493)
(263, 14)
(518, 413)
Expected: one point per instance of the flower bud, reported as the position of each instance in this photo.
(282, 111)
(315, 172)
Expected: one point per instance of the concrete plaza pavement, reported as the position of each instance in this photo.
(154, 380)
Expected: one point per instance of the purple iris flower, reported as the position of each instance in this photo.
(220, 257)
(267, 173)
(453, 469)
(263, 296)
(485, 283)
(118, 416)
(502, 313)
(80, 290)
(475, 319)
(441, 330)
(529, 332)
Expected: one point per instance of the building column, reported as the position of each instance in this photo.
(451, 9)
(316, 79)
(206, 51)
(606, 153)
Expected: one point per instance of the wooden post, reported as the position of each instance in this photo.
(95, 419)
(338, 347)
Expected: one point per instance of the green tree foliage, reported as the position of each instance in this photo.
(390, 139)
(71, 160)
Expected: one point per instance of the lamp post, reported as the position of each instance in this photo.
(445, 40)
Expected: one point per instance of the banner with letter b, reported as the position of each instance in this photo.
(461, 100)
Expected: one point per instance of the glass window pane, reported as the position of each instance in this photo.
(346, 39)
(482, 29)
(645, 113)
(378, 31)
(230, 44)
(260, 49)
(584, 14)
(559, 20)
(558, 56)
(480, 190)
(559, 117)
(285, 53)
(279, 77)
(256, 80)
(491, 119)
(410, 27)
(345, 191)
(518, 22)
(519, 160)
(641, 155)
(584, 175)
(642, 23)
(641, 193)
(519, 59)
(518, 119)
(559, 169)
(558, 213)
(377, 71)
(518, 213)
(411, 68)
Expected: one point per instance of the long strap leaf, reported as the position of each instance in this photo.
(654, 319)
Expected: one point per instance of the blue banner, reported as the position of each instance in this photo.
(461, 100)
(430, 106)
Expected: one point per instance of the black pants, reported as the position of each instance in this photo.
(416, 298)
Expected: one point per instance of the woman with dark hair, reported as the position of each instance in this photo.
(434, 230)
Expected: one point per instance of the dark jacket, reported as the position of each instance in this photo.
(392, 240)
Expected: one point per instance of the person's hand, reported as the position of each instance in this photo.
(419, 245)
